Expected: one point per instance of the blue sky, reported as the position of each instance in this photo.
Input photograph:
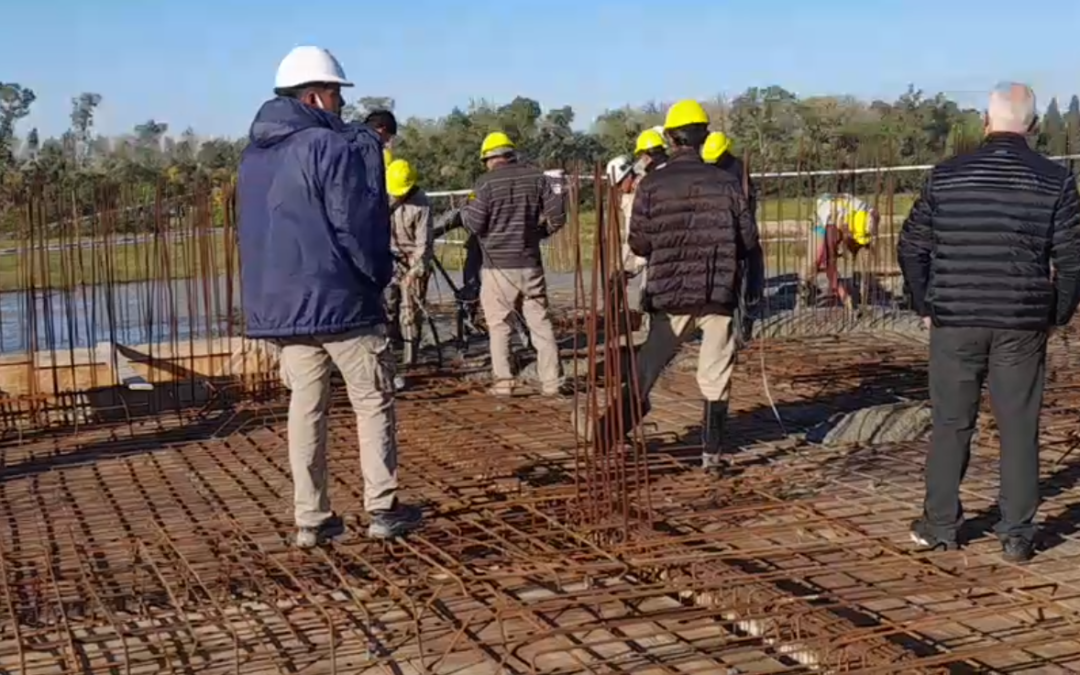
(209, 65)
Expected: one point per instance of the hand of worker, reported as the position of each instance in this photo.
(926, 322)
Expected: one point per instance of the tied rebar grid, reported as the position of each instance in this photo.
(141, 555)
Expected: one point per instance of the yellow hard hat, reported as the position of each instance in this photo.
(496, 143)
(387, 156)
(860, 227)
(716, 144)
(400, 178)
(647, 140)
(685, 113)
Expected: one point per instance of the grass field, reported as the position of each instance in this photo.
(56, 264)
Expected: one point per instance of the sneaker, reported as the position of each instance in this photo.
(329, 531)
(1017, 550)
(501, 390)
(394, 522)
(924, 538)
(712, 463)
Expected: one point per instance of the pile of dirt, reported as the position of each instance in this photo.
(875, 425)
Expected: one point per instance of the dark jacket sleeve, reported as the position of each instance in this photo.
(1066, 252)
(554, 206)
(358, 212)
(477, 212)
(915, 248)
(639, 238)
(750, 245)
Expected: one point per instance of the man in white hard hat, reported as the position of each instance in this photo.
(315, 259)
(620, 173)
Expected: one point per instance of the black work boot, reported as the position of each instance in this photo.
(713, 420)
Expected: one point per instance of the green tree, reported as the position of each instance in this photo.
(15, 102)
(1053, 139)
(1072, 126)
(82, 123)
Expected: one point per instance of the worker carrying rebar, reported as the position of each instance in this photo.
(842, 223)
(314, 235)
(620, 173)
(693, 225)
(991, 255)
(717, 151)
(514, 209)
(412, 244)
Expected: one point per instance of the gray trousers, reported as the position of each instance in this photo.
(1014, 365)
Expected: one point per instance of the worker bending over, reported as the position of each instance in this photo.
(694, 226)
(514, 209)
(314, 236)
(412, 244)
(842, 222)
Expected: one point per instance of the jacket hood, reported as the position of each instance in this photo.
(357, 130)
(282, 117)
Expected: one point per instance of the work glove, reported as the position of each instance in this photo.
(744, 319)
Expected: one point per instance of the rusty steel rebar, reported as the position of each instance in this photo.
(142, 537)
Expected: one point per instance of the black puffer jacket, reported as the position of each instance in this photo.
(734, 166)
(693, 224)
(977, 248)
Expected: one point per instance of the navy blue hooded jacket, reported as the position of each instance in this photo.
(314, 224)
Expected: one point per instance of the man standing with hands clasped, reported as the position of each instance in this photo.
(991, 254)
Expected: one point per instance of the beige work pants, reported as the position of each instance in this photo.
(366, 362)
(499, 293)
(404, 305)
(716, 359)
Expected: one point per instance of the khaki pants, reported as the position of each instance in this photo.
(716, 360)
(366, 363)
(500, 290)
(404, 305)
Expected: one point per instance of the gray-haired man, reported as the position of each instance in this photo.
(991, 254)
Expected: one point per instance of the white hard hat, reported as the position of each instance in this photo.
(309, 65)
(619, 169)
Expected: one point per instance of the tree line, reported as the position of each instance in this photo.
(774, 128)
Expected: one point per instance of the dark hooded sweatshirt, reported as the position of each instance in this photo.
(314, 224)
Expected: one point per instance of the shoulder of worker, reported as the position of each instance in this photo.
(419, 199)
(284, 120)
(516, 172)
(1012, 156)
(688, 168)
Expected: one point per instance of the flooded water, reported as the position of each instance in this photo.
(143, 312)
(131, 313)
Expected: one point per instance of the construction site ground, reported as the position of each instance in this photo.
(163, 546)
